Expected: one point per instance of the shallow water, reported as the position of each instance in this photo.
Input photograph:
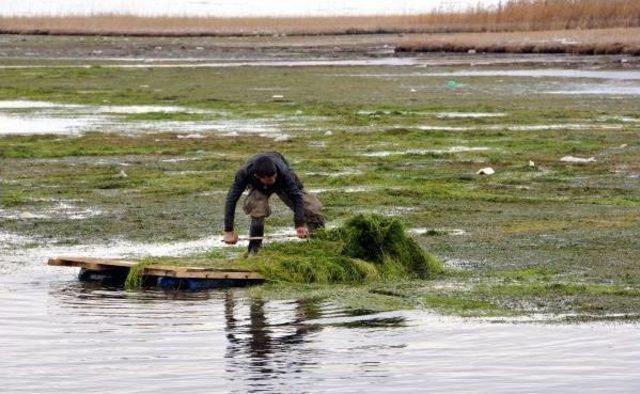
(59, 335)
(25, 117)
(627, 75)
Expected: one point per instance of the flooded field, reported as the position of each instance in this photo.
(225, 341)
(542, 286)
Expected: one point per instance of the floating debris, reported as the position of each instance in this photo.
(486, 171)
(580, 160)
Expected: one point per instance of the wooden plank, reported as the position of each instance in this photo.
(97, 264)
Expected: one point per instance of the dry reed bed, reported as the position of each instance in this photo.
(580, 42)
(513, 15)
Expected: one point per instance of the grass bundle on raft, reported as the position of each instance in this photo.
(365, 249)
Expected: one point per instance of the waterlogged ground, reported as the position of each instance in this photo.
(104, 160)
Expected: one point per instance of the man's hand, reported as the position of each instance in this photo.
(230, 237)
(302, 232)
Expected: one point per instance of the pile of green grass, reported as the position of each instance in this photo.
(365, 249)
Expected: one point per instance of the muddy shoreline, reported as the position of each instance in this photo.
(73, 49)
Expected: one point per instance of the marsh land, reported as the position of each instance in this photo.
(105, 147)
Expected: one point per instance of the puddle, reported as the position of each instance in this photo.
(61, 211)
(472, 115)
(40, 125)
(256, 63)
(74, 120)
(337, 174)
(116, 109)
(525, 73)
(617, 118)
(350, 189)
(167, 61)
(578, 160)
(600, 90)
(31, 104)
(437, 231)
(453, 149)
(538, 127)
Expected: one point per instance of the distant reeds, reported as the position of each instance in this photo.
(619, 41)
(510, 15)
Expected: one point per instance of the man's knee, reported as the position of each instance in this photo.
(256, 205)
(313, 211)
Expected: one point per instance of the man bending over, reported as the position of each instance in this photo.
(265, 174)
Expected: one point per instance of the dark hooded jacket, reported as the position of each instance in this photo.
(286, 182)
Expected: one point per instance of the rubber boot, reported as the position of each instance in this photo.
(256, 230)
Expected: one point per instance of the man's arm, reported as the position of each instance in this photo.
(239, 185)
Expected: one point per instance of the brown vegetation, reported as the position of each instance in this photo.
(580, 42)
(512, 15)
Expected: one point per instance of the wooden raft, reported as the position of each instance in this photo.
(159, 275)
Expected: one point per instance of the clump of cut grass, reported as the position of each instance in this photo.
(384, 241)
(315, 261)
(367, 248)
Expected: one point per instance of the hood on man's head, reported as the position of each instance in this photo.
(264, 167)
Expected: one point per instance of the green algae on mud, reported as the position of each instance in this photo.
(535, 239)
(363, 250)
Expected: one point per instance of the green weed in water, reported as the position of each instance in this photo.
(134, 277)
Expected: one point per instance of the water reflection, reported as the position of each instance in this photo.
(226, 340)
(273, 350)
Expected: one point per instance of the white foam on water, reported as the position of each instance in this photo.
(472, 115)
